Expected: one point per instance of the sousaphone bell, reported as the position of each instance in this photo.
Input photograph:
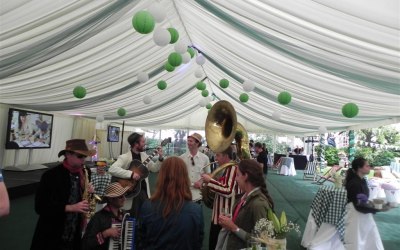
(220, 130)
(220, 126)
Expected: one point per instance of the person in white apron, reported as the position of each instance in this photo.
(361, 231)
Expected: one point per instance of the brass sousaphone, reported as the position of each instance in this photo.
(220, 130)
(242, 142)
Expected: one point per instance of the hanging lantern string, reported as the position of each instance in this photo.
(219, 66)
(183, 24)
(184, 28)
(210, 83)
(199, 52)
(213, 94)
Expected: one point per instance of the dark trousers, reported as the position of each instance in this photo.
(137, 203)
(135, 212)
(214, 231)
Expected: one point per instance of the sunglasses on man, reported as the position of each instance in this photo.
(80, 156)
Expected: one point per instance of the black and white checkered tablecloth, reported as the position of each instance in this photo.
(329, 206)
(100, 182)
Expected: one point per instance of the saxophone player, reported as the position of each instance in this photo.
(59, 203)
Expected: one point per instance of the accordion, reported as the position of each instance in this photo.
(127, 237)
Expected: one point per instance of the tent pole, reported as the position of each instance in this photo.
(122, 137)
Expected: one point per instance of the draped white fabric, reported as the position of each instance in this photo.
(325, 53)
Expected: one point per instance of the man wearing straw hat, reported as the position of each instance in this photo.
(196, 163)
(59, 201)
(99, 230)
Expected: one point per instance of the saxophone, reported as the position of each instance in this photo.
(91, 198)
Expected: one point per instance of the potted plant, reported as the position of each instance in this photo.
(272, 231)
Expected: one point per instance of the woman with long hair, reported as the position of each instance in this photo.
(361, 231)
(24, 130)
(248, 210)
(170, 220)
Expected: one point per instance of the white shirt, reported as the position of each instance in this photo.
(120, 167)
(200, 160)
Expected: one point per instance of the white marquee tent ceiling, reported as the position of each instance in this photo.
(325, 53)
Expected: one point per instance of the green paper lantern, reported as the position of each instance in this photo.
(175, 59)
(204, 93)
(191, 52)
(244, 97)
(201, 85)
(121, 112)
(209, 106)
(79, 92)
(350, 110)
(223, 83)
(174, 35)
(284, 98)
(162, 85)
(143, 22)
(168, 67)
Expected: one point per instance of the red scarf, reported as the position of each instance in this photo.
(238, 207)
(73, 170)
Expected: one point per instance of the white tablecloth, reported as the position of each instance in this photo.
(325, 224)
(287, 167)
(322, 238)
(395, 167)
(387, 190)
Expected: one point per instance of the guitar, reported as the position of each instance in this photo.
(140, 169)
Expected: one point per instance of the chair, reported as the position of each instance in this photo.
(328, 175)
(277, 165)
(310, 170)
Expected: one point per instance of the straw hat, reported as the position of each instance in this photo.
(77, 146)
(115, 190)
(196, 136)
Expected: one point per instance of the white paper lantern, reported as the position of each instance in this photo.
(202, 102)
(186, 57)
(99, 118)
(180, 47)
(276, 115)
(322, 130)
(248, 86)
(157, 11)
(147, 99)
(161, 37)
(143, 77)
(209, 99)
(198, 73)
(200, 59)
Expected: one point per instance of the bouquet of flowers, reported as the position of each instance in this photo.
(272, 231)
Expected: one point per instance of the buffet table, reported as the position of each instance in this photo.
(386, 189)
(300, 161)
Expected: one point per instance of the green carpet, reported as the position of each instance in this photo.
(294, 195)
(291, 194)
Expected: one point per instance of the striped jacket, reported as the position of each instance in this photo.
(225, 189)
